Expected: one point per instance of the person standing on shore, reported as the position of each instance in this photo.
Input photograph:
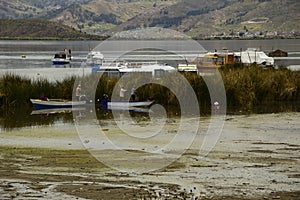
(132, 94)
(122, 93)
(78, 92)
(216, 107)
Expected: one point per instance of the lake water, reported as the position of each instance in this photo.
(39, 53)
(37, 64)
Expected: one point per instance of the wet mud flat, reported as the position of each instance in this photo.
(256, 157)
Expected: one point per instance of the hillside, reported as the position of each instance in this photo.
(38, 28)
(220, 17)
(193, 17)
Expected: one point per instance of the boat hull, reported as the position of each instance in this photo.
(60, 62)
(53, 104)
(125, 104)
(129, 103)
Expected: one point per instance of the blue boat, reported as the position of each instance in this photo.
(61, 58)
(55, 103)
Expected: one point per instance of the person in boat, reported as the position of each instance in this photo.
(132, 94)
(83, 98)
(44, 98)
(104, 101)
(78, 92)
(122, 93)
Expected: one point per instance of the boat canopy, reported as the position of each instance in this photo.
(61, 55)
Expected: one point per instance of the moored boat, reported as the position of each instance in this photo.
(154, 69)
(125, 104)
(95, 58)
(62, 58)
(55, 103)
(252, 55)
(129, 103)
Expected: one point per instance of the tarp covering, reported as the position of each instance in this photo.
(254, 56)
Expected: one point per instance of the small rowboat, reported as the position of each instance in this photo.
(56, 103)
(125, 104)
(129, 103)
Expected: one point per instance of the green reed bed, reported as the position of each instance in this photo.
(249, 86)
(246, 87)
(16, 90)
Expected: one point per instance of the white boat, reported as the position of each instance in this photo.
(252, 55)
(61, 58)
(126, 104)
(120, 68)
(55, 103)
(187, 67)
(131, 109)
(94, 58)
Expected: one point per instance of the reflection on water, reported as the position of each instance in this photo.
(269, 107)
(26, 116)
(22, 117)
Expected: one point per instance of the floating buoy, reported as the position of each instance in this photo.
(23, 56)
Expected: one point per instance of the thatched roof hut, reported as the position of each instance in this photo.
(278, 53)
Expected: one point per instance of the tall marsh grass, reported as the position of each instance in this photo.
(249, 86)
(16, 90)
(246, 87)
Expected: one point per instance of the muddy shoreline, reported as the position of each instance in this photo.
(256, 157)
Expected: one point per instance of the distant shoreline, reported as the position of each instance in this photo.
(102, 38)
(47, 39)
(250, 38)
(55, 39)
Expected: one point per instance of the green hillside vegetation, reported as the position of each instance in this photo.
(201, 17)
(193, 17)
(39, 29)
(100, 16)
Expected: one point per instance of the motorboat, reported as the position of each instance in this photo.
(154, 69)
(94, 58)
(61, 58)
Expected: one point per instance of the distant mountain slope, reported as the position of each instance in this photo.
(193, 17)
(38, 28)
(202, 17)
(33, 8)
